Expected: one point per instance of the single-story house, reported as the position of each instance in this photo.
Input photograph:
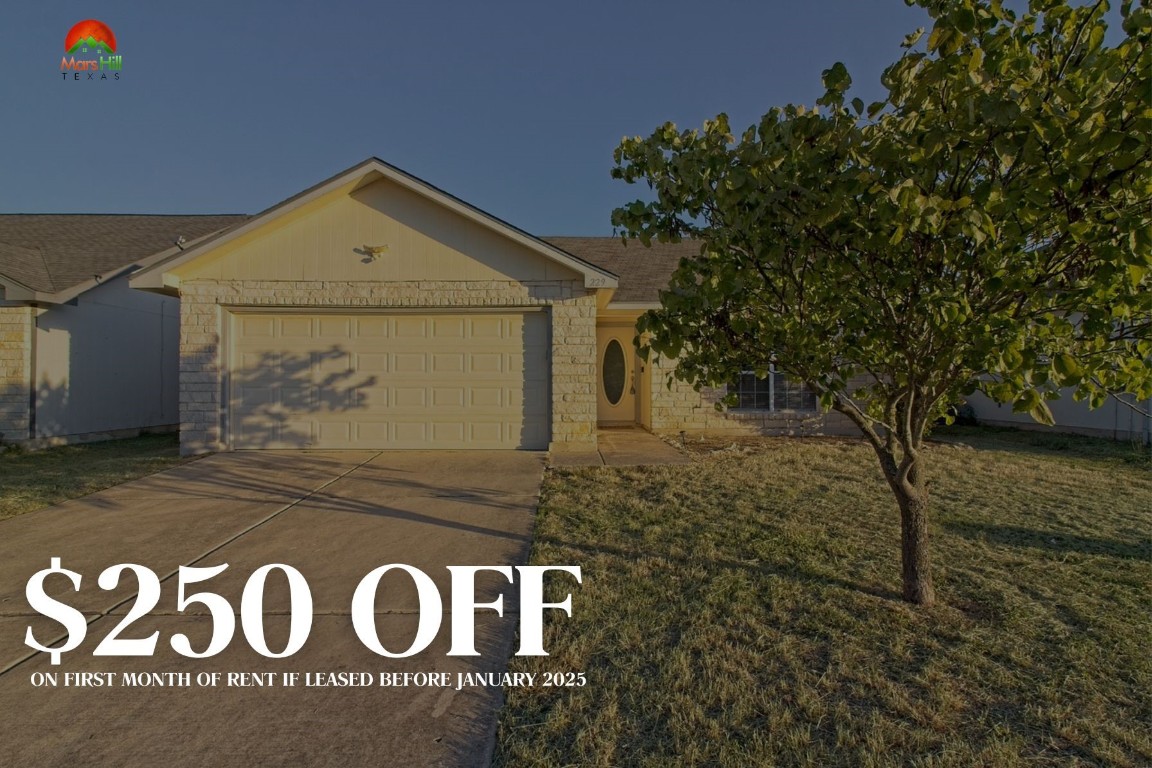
(82, 355)
(372, 310)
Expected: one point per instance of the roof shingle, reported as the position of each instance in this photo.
(643, 272)
(51, 252)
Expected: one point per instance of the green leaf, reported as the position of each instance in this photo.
(976, 60)
(912, 39)
(1042, 413)
(1069, 369)
(964, 20)
(837, 78)
(999, 112)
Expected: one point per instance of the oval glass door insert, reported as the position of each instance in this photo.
(614, 371)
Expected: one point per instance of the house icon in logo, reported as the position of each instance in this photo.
(90, 34)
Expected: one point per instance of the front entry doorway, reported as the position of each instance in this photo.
(618, 374)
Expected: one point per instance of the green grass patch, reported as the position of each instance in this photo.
(30, 480)
(745, 611)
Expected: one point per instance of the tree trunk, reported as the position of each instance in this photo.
(911, 491)
(917, 568)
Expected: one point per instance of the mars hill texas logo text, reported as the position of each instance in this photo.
(92, 36)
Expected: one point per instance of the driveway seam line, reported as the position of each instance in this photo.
(198, 558)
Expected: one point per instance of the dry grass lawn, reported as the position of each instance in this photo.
(30, 480)
(744, 611)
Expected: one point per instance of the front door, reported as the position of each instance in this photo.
(617, 370)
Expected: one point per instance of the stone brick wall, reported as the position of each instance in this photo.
(683, 409)
(202, 302)
(17, 326)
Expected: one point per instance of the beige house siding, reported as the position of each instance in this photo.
(680, 408)
(204, 307)
(16, 327)
(326, 240)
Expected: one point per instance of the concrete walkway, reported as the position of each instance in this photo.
(334, 516)
(622, 447)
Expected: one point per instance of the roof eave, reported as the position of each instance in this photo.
(17, 292)
(150, 276)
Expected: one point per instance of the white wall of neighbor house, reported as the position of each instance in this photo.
(107, 363)
(1112, 420)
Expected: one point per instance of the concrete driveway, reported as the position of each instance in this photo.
(334, 516)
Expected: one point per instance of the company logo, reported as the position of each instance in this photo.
(90, 37)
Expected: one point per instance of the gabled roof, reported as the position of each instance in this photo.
(358, 175)
(644, 272)
(52, 257)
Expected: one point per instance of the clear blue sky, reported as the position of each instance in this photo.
(515, 107)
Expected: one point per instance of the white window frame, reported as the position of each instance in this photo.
(772, 407)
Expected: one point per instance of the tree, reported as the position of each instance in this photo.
(985, 226)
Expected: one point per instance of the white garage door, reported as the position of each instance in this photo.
(477, 380)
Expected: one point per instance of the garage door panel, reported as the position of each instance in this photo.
(415, 362)
(448, 397)
(259, 397)
(372, 432)
(448, 431)
(291, 327)
(489, 327)
(372, 363)
(295, 398)
(409, 397)
(413, 327)
(338, 432)
(448, 328)
(335, 360)
(488, 433)
(253, 327)
(480, 362)
(335, 399)
(448, 362)
(334, 327)
(371, 327)
(372, 398)
(254, 361)
(390, 381)
(409, 434)
(486, 397)
(295, 433)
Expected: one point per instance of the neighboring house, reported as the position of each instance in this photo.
(374, 310)
(1113, 420)
(83, 356)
